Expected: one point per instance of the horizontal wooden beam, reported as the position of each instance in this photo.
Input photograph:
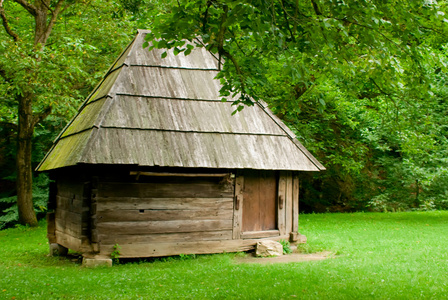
(150, 227)
(154, 238)
(133, 203)
(176, 248)
(259, 234)
(81, 244)
(137, 215)
(157, 174)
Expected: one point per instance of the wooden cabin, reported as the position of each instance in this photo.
(156, 163)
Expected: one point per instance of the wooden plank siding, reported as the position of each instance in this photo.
(71, 222)
(255, 213)
(77, 244)
(159, 209)
(143, 213)
(260, 234)
(155, 238)
(185, 247)
(260, 193)
(173, 226)
(153, 214)
(118, 191)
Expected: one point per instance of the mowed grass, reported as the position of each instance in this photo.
(378, 256)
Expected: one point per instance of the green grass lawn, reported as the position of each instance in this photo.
(379, 256)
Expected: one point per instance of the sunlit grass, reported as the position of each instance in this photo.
(379, 256)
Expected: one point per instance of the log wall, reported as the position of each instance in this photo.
(151, 215)
(148, 213)
(72, 213)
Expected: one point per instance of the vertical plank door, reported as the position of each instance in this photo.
(260, 197)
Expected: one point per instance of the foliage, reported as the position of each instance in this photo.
(361, 82)
(378, 157)
(9, 214)
(286, 246)
(55, 74)
(364, 88)
(115, 255)
(382, 256)
(187, 256)
(362, 46)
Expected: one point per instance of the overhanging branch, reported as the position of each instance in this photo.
(225, 53)
(40, 117)
(285, 14)
(45, 4)
(28, 6)
(54, 16)
(316, 8)
(43, 37)
(3, 74)
(5, 23)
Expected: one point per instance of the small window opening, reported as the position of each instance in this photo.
(141, 211)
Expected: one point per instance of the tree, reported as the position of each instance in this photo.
(267, 43)
(346, 74)
(48, 66)
(45, 14)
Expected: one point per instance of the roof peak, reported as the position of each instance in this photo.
(154, 111)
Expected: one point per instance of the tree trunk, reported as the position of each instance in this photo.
(27, 120)
(24, 168)
(40, 20)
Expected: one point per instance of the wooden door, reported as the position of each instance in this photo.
(260, 198)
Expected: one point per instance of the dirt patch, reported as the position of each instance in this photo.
(293, 257)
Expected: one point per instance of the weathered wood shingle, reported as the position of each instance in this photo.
(150, 111)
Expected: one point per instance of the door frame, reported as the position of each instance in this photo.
(285, 207)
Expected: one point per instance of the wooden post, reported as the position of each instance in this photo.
(51, 216)
(51, 227)
(295, 209)
(289, 201)
(238, 206)
(280, 205)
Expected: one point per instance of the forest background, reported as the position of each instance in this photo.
(362, 84)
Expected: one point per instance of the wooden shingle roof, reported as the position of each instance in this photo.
(150, 111)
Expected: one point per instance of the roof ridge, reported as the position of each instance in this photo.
(172, 67)
(173, 130)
